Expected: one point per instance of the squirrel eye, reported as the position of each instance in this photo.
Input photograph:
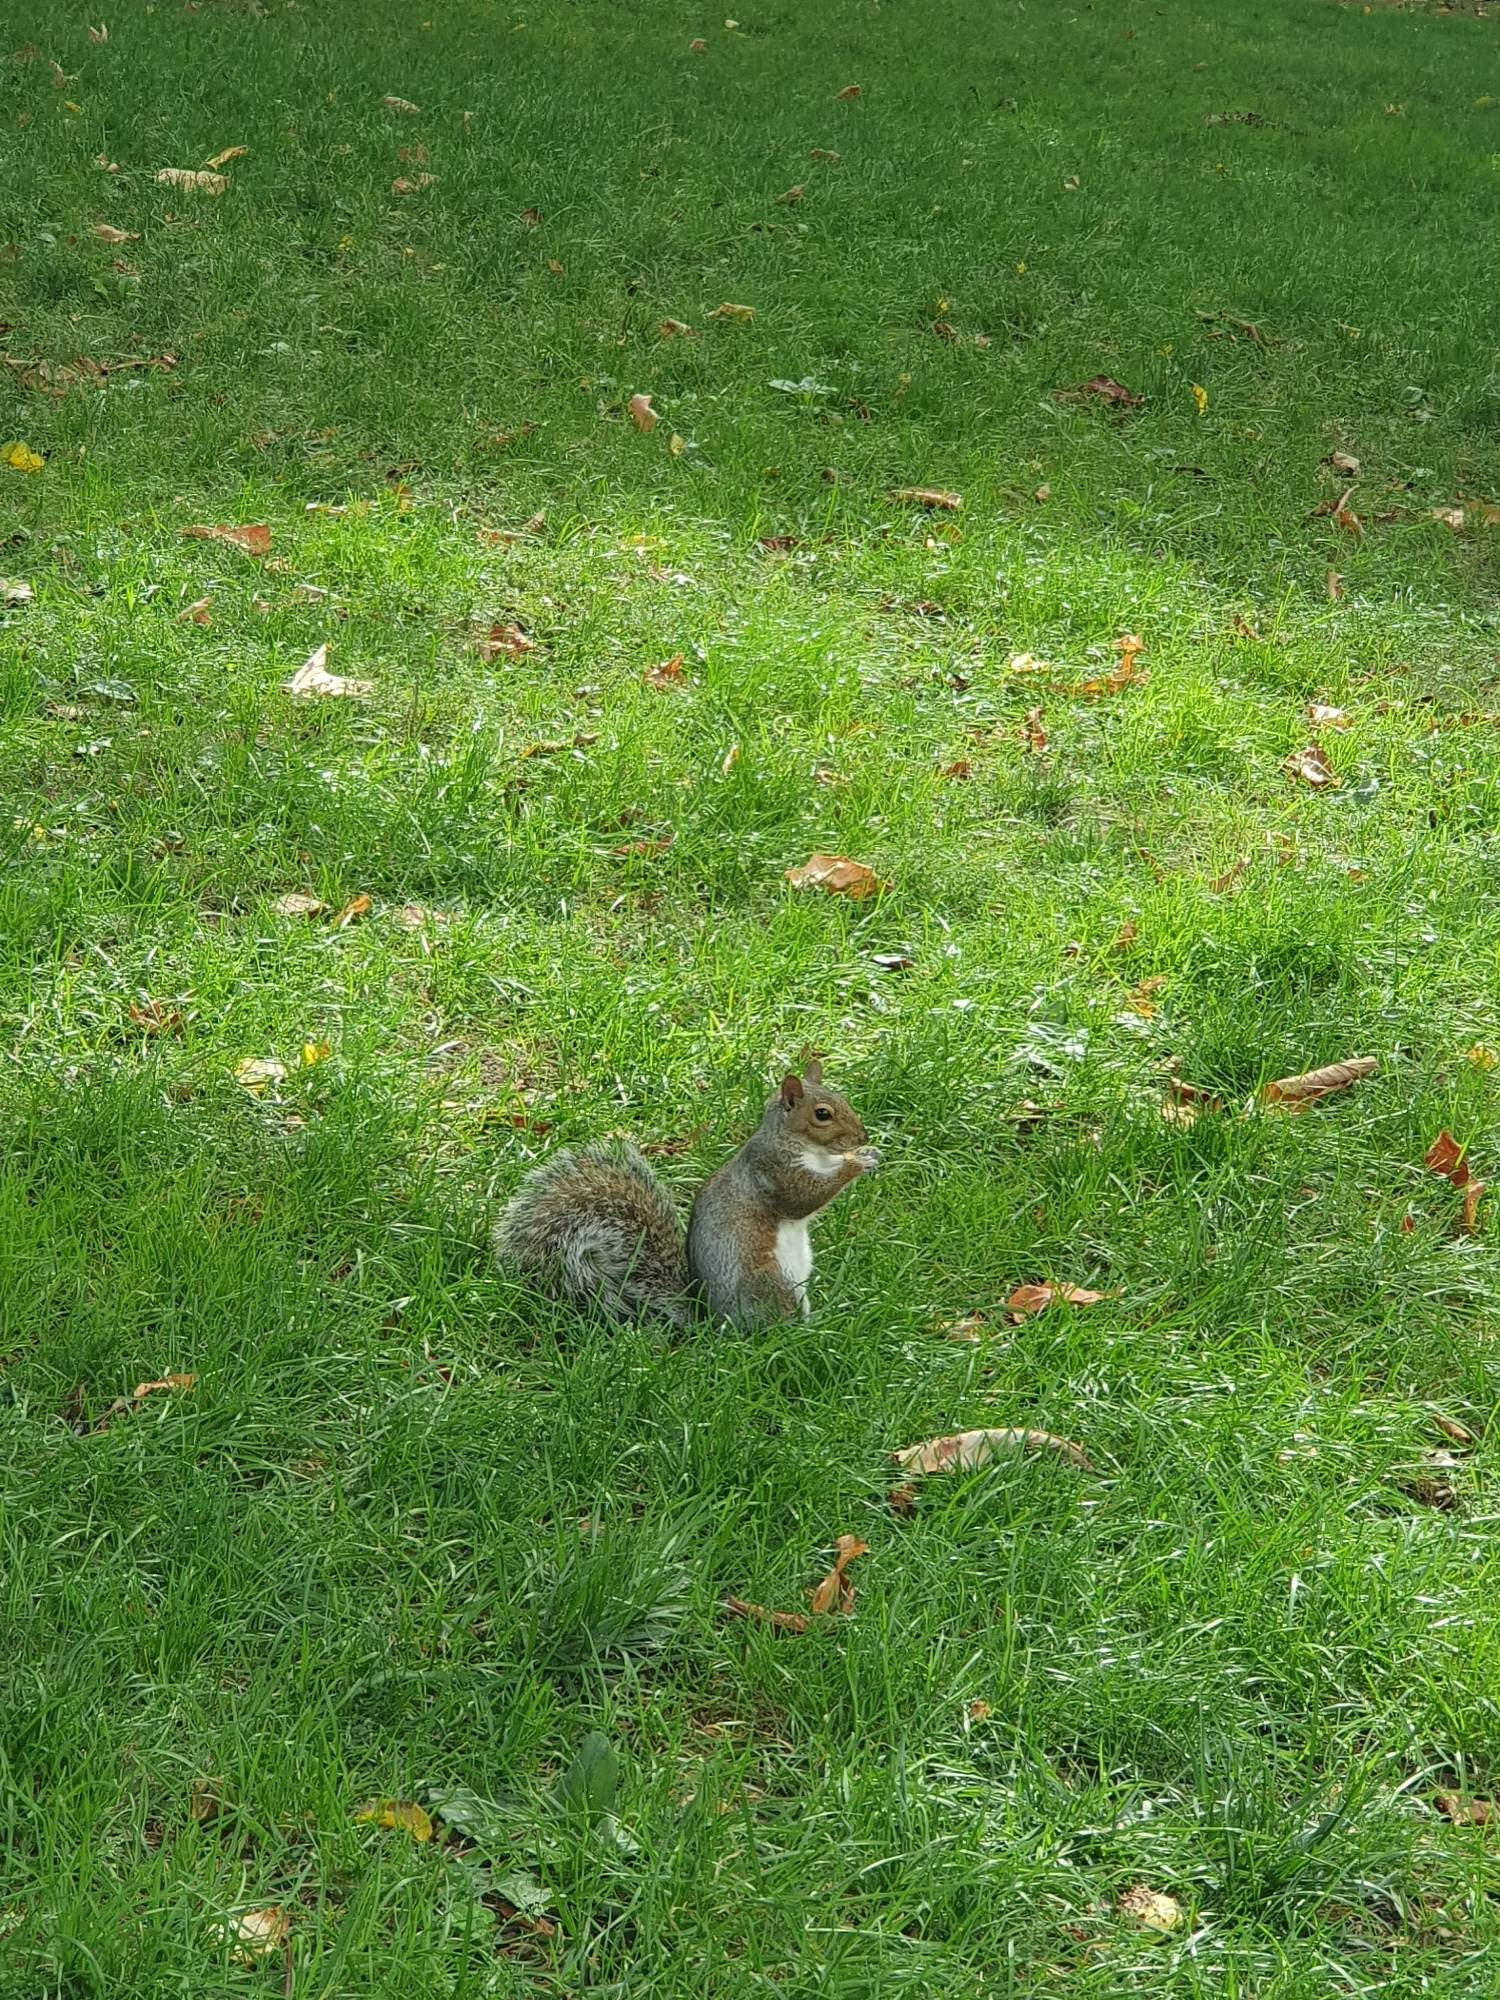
(822, 1114)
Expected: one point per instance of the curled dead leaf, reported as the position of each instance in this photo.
(126, 1405)
(107, 233)
(1033, 734)
(229, 153)
(394, 1815)
(353, 910)
(1450, 517)
(792, 196)
(1220, 884)
(1140, 1001)
(849, 92)
(156, 1017)
(836, 874)
(1460, 1811)
(697, 47)
(1101, 388)
(254, 540)
(965, 1451)
(727, 311)
(676, 329)
(258, 1932)
(641, 413)
(401, 104)
(1323, 716)
(1312, 767)
(902, 1499)
(1315, 1083)
(779, 1621)
(312, 680)
(14, 593)
(822, 153)
(666, 674)
(198, 612)
(1150, 1908)
(1037, 1298)
(937, 497)
(1445, 1156)
(296, 904)
(507, 640)
(836, 1592)
(413, 184)
(1452, 1428)
(1342, 462)
(194, 180)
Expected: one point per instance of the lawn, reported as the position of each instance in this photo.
(405, 1532)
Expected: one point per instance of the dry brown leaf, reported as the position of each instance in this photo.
(979, 1711)
(353, 910)
(937, 497)
(792, 196)
(393, 1814)
(902, 1499)
(155, 1017)
(198, 611)
(779, 1621)
(839, 876)
(206, 1798)
(107, 233)
(255, 1072)
(1315, 1083)
(727, 311)
(296, 904)
(1033, 735)
(1335, 586)
(641, 413)
(849, 91)
(1102, 387)
(1323, 716)
(1445, 1156)
(313, 680)
(1220, 884)
(401, 104)
(676, 329)
(1452, 1428)
(666, 674)
(697, 47)
(1140, 1000)
(1311, 766)
(14, 593)
(1125, 936)
(258, 1932)
(821, 153)
(964, 1451)
(229, 153)
(969, 1330)
(1340, 461)
(1150, 1908)
(1037, 1298)
(531, 217)
(959, 770)
(1451, 517)
(836, 1592)
(126, 1405)
(778, 545)
(254, 540)
(191, 179)
(1464, 1812)
(507, 640)
(415, 917)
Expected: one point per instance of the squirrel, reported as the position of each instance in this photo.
(597, 1225)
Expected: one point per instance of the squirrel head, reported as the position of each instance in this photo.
(810, 1114)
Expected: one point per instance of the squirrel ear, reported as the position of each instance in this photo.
(812, 1072)
(791, 1091)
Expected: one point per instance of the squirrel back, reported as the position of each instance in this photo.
(597, 1224)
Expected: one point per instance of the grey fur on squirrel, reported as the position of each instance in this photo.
(597, 1226)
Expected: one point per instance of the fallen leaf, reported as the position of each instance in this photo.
(927, 496)
(194, 180)
(197, 611)
(206, 1798)
(821, 153)
(1322, 716)
(1481, 1057)
(107, 233)
(402, 185)
(1311, 766)
(259, 1932)
(1446, 1157)
(504, 638)
(401, 104)
(1102, 387)
(21, 458)
(1200, 397)
(255, 1072)
(296, 904)
(1187, 1102)
(314, 1053)
(353, 910)
(1140, 1002)
(1037, 1298)
(667, 674)
(155, 1017)
(698, 47)
(778, 545)
(1452, 1428)
(1033, 735)
(740, 313)
(1464, 1812)
(837, 875)
(1316, 1083)
(849, 91)
(1451, 517)
(229, 153)
(254, 540)
(1125, 936)
(902, 1499)
(1071, 184)
(1429, 1489)
(792, 196)
(531, 217)
(394, 1814)
(14, 593)
(641, 413)
(1150, 1908)
(1342, 462)
(312, 679)
(836, 1592)
(414, 917)
(1243, 629)
(99, 34)
(1220, 884)
(1334, 584)
(779, 1621)
(965, 1451)
(959, 770)
(127, 1405)
(676, 329)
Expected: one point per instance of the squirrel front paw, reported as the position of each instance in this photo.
(866, 1158)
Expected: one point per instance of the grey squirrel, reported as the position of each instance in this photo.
(597, 1225)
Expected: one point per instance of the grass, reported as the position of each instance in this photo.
(414, 1532)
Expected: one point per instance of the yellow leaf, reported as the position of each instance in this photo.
(315, 1052)
(392, 1813)
(229, 153)
(22, 457)
(192, 180)
(1200, 397)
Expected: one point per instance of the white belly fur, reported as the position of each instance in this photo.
(794, 1258)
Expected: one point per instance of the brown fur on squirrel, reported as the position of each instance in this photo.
(597, 1225)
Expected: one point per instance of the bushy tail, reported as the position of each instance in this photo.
(597, 1225)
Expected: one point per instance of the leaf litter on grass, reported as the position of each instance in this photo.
(966, 1451)
(1447, 1158)
(312, 681)
(837, 875)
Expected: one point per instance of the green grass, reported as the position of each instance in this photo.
(415, 1530)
